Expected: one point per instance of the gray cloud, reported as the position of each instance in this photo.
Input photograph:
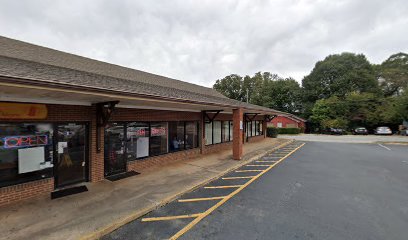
(201, 41)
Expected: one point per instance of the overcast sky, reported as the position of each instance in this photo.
(200, 41)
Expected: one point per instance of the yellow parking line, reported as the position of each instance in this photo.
(152, 219)
(230, 186)
(231, 178)
(200, 199)
(257, 165)
(250, 170)
(211, 209)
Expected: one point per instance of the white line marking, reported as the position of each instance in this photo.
(389, 149)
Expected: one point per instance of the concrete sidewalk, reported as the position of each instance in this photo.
(108, 205)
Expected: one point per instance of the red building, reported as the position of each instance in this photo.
(292, 121)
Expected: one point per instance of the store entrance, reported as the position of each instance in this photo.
(72, 159)
(115, 160)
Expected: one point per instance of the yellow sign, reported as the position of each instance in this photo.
(22, 111)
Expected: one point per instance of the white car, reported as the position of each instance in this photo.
(383, 131)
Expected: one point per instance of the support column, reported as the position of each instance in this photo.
(237, 145)
(96, 158)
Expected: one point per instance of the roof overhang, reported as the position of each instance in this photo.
(34, 91)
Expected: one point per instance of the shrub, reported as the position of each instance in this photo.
(272, 132)
(288, 130)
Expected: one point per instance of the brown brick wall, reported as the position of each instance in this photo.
(139, 165)
(256, 138)
(217, 147)
(27, 190)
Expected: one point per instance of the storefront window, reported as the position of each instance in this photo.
(225, 131)
(137, 140)
(208, 133)
(253, 132)
(191, 135)
(260, 132)
(158, 138)
(176, 136)
(217, 131)
(248, 129)
(25, 152)
(231, 129)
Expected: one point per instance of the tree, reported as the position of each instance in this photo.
(231, 86)
(393, 74)
(338, 75)
(283, 95)
(264, 89)
(330, 112)
(401, 106)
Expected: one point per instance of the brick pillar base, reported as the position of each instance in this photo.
(237, 118)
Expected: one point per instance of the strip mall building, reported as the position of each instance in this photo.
(66, 120)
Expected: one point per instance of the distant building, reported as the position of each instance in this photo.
(283, 121)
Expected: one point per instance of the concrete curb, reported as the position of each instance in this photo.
(135, 215)
(393, 143)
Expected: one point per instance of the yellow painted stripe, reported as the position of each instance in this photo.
(200, 199)
(211, 209)
(152, 219)
(230, 186)
(231, 178)
(257, 165)
(250, 170)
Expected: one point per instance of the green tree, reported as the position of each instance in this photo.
(338, 75)
(401, 106)
(393, 74)
(283, 95)
(264, 89)
(231, 86)
(330, 112)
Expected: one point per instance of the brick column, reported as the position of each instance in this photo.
(237, 145)
(96, 159)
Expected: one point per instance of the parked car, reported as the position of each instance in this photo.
(383, 131)
(360, 131)
(335, 131)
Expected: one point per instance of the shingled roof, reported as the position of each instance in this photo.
(23, 60)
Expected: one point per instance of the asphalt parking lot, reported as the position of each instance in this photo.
(173, 219)
(320, 191)
(348, 138)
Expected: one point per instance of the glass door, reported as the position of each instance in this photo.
(115, 161)
(71, 147)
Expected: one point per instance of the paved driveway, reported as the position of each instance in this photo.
(321, 191)
(346, 138)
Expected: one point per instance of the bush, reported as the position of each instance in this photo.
(272, 132)
(288, 130)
